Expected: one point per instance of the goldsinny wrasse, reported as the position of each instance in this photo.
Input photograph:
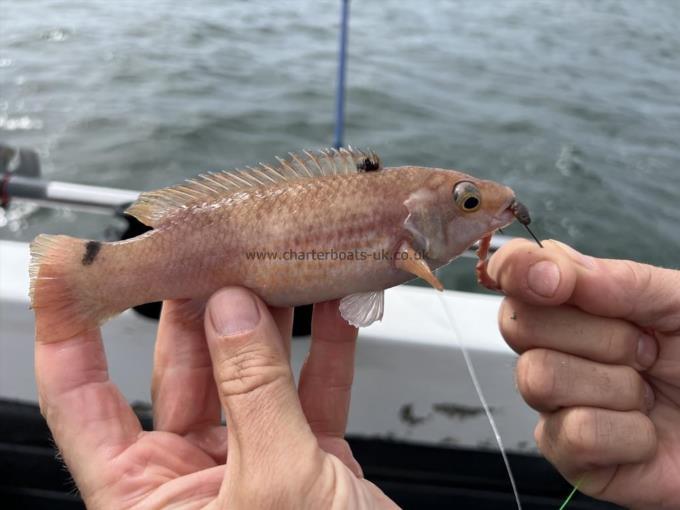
(316, 226)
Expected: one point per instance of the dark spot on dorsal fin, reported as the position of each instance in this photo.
(369, 164)
(91, 250)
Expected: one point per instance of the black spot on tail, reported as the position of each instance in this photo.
(369, 164)
(91, 250)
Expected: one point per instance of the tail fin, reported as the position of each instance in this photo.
(63, 287)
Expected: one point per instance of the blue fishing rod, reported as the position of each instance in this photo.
(342, 64)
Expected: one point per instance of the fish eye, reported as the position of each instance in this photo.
(467, 196)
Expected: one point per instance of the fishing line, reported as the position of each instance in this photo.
(572, 493)
(482, 399)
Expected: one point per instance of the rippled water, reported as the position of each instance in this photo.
(573, 104)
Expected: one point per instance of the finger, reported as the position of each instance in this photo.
(327, 374)
(89, 418)
(568, 329)
(183, 389)
(255, 384)
(580, 440)
(326, 380)
(549, 380)
(558, 274)
(545, 276)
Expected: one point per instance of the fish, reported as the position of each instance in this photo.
(315, 226)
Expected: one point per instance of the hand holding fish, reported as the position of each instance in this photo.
(284, 447)
(600, 360)
(315, 228)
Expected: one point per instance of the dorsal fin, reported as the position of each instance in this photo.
(153, 207)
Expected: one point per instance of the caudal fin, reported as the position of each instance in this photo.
(63, 287)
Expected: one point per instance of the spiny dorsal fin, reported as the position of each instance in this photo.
(153, 207)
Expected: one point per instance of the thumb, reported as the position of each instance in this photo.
(255, 385)
(558, 274)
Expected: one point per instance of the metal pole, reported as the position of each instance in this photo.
(59, 194)
(340, 92)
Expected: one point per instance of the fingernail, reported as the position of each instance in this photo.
(649, 396)
(578, 257)
(646, 350)
(233, 311)
(544, 278)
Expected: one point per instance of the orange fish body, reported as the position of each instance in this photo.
(317, 226)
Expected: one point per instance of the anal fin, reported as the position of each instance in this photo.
(363, 308)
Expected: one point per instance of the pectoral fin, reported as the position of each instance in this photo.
(408, 260)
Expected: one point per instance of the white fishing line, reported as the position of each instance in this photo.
(482, 399)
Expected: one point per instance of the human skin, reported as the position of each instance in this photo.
(599, 345)
(579, 366)
(284, 448)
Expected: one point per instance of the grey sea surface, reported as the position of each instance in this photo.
(575, 105)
